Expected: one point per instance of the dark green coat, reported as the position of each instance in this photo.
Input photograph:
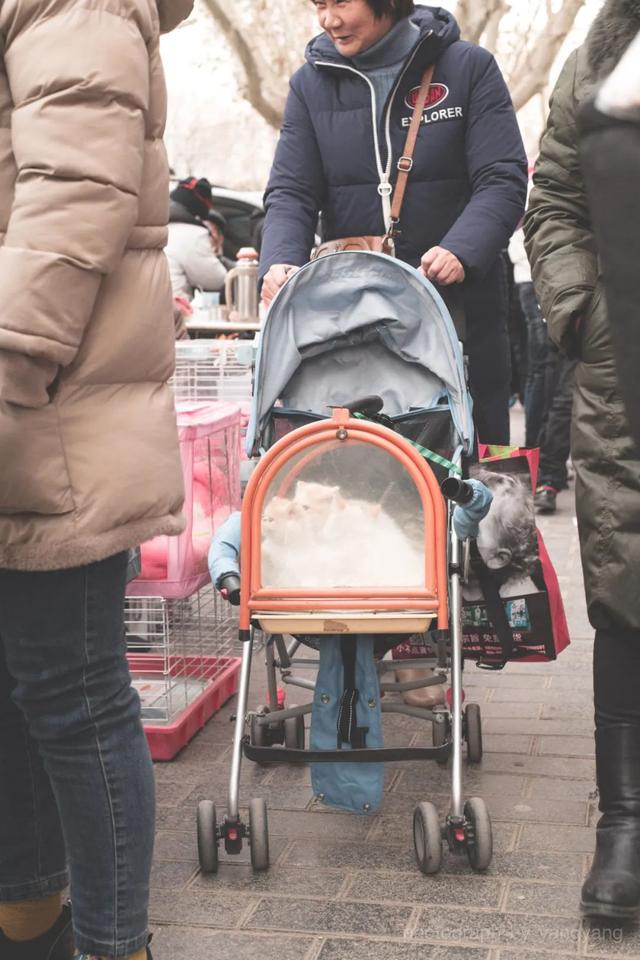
(566, 275)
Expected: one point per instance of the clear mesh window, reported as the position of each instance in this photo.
(343, 514)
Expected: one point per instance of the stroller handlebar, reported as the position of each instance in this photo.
(457, 490)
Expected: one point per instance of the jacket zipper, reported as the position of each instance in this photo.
(385, 188)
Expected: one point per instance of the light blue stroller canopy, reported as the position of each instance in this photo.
(354, 324)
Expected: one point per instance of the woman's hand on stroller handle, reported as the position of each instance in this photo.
(441, 266)
(276, 277)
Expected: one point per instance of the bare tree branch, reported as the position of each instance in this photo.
(250, 60)
(474, 17)
(540, 59)
(492, 29)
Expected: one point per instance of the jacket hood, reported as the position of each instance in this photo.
(173, 12)
(434, 20)
(613, 30)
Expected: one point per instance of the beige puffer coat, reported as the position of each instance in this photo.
(89, 461)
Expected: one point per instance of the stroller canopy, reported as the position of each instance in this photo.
(355, 324)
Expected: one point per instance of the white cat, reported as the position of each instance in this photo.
(319, 538)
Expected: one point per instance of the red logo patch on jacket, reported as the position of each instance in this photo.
(438, 92)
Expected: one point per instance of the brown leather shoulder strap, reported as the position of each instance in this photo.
(405, 163)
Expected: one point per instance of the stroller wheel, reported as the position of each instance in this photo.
(258, 834)
(207, 837)
(479, 835)
(294, 733)
(441, 733)
(473, 732)
(427, 837)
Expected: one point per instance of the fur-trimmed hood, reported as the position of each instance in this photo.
(613, 30)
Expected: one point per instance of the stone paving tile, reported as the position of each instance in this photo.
(515, 709)
(506, 743)
(542, 836)
(277, 881)
(475, 779)
(618, 940)
(566, 746)
(417, 888)
(571, 768)
(582, 682)
(550, 811)
(543, 899)
(334, 949)
(521, 864)
(174, 943)
(373, 855)
(568, 711)
(501, 806)
(172, 792)
(291, 823)
(324, 916)
(222, 911)
(504, 694)
(527, 955)
(496, 929)
(279, 796)
(534, 676)
(530, 727)
(546, 788)
(172, 875)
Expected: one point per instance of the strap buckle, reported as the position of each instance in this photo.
(385, 189)
(405, 164)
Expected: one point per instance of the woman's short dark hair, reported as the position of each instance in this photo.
(396, 8)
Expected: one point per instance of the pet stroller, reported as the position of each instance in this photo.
(350, 326)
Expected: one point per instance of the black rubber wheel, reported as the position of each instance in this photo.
(258, 734)
(259, 834)
(479, 834)
(207, 839)
(427, 837)
(294, 733)
(440, 735)
(473, 732)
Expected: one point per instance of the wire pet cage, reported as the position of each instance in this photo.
(181, 657)
(214, 370)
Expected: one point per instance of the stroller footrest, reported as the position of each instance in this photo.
(382, 755)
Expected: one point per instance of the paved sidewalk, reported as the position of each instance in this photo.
(343, 887)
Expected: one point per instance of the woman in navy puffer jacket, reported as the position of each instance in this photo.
(344, 130)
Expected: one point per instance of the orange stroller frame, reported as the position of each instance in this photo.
(399, 610)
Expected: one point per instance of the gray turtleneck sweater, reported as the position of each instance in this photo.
(383, 61)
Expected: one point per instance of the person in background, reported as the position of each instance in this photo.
(196, 238)
(343, 134)
(554, 439)
(610, 156)
(566, 267)
(90, 464)
(537, 340)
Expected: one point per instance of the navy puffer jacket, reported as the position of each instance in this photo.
(468, 185)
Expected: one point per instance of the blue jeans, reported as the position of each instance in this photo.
(76, 779)
(537, 346)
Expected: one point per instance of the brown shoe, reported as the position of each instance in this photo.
(425, 697)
